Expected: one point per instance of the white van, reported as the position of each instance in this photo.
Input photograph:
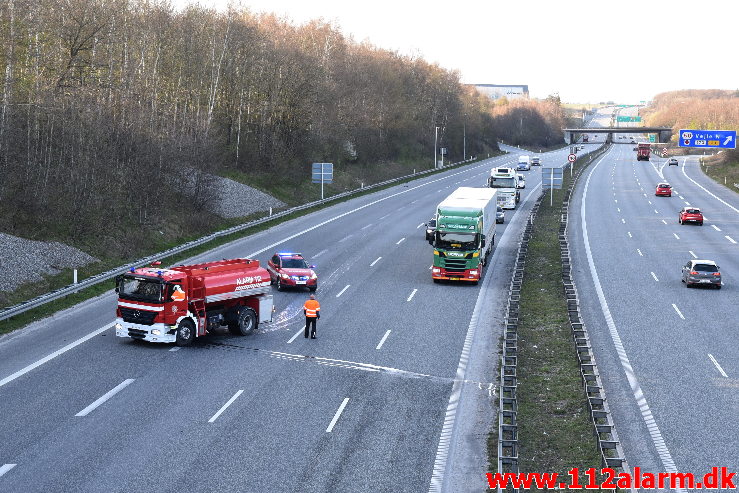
(524, 163)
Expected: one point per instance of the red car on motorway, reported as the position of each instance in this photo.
(663, 190)
(690, 215)
(287, 269)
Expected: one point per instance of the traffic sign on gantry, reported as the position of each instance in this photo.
(715, 139)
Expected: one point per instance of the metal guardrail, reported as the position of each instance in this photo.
(104, 276)
(604, 429)
(507, 402)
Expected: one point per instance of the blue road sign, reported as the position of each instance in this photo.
(715, 139)
(322, 172)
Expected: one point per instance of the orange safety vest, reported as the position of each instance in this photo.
(311, 307)
(178, 296)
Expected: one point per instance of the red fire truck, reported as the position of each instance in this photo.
(184, 302)
(642, 151)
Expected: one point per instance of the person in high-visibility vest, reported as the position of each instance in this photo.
(312, 310)
(178, 294)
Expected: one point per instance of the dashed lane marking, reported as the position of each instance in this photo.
(710, 356)
(400, 241)
(225, 406)
(106, 397)
(413, 293)
(376, 260)
(342, 291)
(337, 415)
(639, 252)
(654, 276)
(730, 239)
(384, 338)
(678, 311)
(296, 335)
(713, 226)
(6, 467)
(691, 252)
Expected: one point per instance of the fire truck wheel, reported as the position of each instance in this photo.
(185, 333)
(247, 322)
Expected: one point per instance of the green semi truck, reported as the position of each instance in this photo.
(465, 234)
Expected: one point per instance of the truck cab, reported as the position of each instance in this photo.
(505, 181)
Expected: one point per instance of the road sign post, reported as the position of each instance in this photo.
(707, 139)
(322, 173)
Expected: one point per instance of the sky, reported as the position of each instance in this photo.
(586, 51)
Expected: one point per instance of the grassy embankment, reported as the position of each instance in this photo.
(555, 432)
(724, 168)
(281, 190)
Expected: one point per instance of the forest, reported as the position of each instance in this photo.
(116, 114)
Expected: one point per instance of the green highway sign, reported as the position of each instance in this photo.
(651, 137)
(629, 119)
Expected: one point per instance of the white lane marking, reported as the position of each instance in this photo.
(376, 260)
(326, 249)
(384, 338)
(174, 349)
(420, 225)
(676, 236)
(678, 311)
(6, 467)
(691, 252)
(365, 227)
(629, 232)
(413, 293)
(646, 412)
(53, 355)
(400, 241)
(336, 416)
(430, 266)
(650, 202)
(687, 203)
(654, 276)
(681, 197)
(656, 211)
(105, 397)
(440, 190)
(342, 291)
(618, 209)
(296, 335)
(712, 225)
(615, 201)
(623, 220)
(230, 401)
(345, 238)
(383, 217)
(730, 239)
(644, 194)
(720, 370)
(639, 251)
(664, 221)
(709, 193)
(414, 201)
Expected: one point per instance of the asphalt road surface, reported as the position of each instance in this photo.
(396, 394)
(667, 354)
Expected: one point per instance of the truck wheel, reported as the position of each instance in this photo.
(246, 324)
(185, 333)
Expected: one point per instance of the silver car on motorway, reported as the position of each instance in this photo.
(701, 272)
(499, 215)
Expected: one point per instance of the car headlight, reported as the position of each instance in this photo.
(313, 275)
(284, 276)
(156, 332)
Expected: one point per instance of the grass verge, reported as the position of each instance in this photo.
(62, 279)
(724, 169)
(554, 429)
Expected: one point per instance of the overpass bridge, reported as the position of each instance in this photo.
(663, 133)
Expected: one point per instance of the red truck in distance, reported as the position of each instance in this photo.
(643, 151)
(184, 302)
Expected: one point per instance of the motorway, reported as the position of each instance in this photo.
(398, 388)
(666, 353)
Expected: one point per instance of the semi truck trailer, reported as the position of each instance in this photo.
(465, 234)
(184, 302)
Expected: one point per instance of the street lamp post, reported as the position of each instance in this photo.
(436, 140)
(464, 141)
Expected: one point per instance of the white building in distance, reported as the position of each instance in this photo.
(497, 91)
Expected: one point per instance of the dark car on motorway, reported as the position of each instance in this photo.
(290, 270)
(672, 162)
(701, 272)
(690, 215)
(663, 190)
(499, 215)
(430, 229)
